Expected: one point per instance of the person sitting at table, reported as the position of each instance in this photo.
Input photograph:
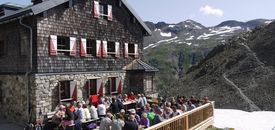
(56, 119)
(132, 96)
(68, 119)
(140, 102)
(144, 98)
(106, 122)
(147, 108)
(137, 117)
(80, 116)
(118, 123)
(130, 124)
(125, 98)
(87, 112)
(144, 121)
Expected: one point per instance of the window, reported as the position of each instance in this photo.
(149, 84)
(2, 48)
(67, 91)
(92, 87)
(112, 85)
(63, 45)
(24, 41)
(131, 49)
(103, 11)
(111, 48)
(91, 47)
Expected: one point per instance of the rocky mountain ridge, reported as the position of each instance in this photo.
(238, 74)
(193, 33)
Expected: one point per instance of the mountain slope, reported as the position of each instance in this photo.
(174, 48)
(239, 74)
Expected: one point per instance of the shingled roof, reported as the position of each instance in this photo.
(46, 5)
(139, 65)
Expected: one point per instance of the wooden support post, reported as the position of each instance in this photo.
(187, 122)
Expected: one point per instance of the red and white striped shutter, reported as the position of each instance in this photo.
(99, 86)
(117, 49)
(96, 9)
(72, 46)
(73, 90)
(118, 85)
(83, 47)
(53, 45)
(104, 48)
(110, 13)
(126, 50)
(98, 48)
(136, 51)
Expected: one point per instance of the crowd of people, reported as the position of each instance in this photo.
(113, 116)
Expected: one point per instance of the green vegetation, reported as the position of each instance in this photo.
(173, 60)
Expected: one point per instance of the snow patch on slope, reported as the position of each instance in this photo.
(169, 34)
(221, 30)
(159, 42)
(268, 22)
(190, 38)
(241, 120)
(171, 25)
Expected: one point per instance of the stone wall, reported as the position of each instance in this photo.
(13, 97)
(46, 93)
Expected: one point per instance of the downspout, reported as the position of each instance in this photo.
(28, 73)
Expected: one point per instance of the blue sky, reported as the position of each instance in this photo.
(207, 12)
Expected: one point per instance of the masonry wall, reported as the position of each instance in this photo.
(46, 87)
(78, 21)
(13, 97)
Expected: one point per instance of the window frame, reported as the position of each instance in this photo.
(112, 84)
(91, 48)
(131, 52)
(111, 49)
(103, 11)
(149, 79)
(65, 42)
(94, 83)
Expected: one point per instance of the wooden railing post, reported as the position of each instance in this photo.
(187, 122)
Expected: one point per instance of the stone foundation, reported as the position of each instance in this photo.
(13, 97)
(46, 87)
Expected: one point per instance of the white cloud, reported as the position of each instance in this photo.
(208, 10)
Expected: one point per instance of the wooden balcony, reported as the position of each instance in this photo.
(196, 119)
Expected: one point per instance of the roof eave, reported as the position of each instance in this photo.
(12, 17)
(148, 31)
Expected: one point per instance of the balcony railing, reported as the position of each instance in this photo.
(196, 119)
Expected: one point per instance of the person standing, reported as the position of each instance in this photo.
(101, 108)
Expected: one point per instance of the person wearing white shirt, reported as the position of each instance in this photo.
(93, 111)
(101, 108)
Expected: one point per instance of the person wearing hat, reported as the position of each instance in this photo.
(106, 122)
(131, 124)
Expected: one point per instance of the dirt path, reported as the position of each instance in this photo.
(252, 105)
